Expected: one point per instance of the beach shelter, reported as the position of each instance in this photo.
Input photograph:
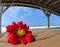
(48, 6)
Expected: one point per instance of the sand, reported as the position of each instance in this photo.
(44, 38)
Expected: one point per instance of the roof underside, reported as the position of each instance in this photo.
(50, 5)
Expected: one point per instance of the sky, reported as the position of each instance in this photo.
(30, 16)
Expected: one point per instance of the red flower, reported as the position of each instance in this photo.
(19, 32)
(13, 39)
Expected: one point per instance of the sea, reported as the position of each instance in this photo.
(3, 28)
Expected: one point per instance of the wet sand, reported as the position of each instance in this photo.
(44, 38)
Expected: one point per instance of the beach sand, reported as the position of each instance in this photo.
(44, 38)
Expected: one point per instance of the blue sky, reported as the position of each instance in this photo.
(30, 16)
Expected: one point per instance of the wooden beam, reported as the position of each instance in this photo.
(30, 5)
(58, 5)
(3, 7)
(47, 13)
(55, 6)
(47, 1)
(6, 9)
(54, 3)
(39, 1)
(0, 1)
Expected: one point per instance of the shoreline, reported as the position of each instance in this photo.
(3, 29)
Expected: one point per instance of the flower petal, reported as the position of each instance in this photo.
(20, 24)
(22, 40)
(9, 29)
(12, 39)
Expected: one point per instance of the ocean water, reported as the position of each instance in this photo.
(3, 29)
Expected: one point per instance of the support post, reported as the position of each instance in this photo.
(48, 18)
(0, 21)
(47, 13)
(1, 9)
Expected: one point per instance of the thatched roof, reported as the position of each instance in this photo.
(50, 5)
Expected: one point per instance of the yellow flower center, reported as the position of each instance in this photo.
(20, 32)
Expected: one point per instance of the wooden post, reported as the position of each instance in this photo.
(0, 22)
(1, 12)
(48, 18)
(0, 17)
(47, 13)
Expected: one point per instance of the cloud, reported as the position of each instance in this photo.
(13, 11)
(21, 12)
